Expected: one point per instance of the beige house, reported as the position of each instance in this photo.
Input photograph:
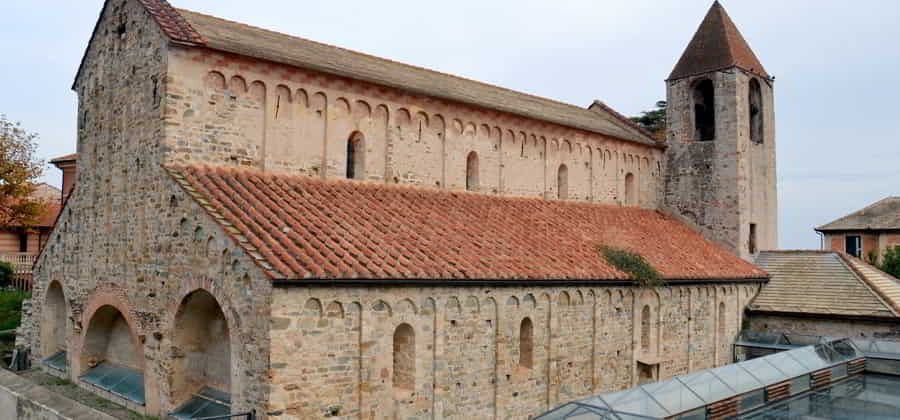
(266, 223)
(19, 245)
(866, 233)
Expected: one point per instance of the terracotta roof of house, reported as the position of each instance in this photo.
(300, 228)
(825, 283)
(717, 45)
(71, 157)
(195, 29)
(51, 213)
(882, 215)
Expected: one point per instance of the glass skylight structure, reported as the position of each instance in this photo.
(118, 380)
(749, 383)
(205, 404)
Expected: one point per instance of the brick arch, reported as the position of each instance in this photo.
(52, 314)
(117, 300)
(232, 320)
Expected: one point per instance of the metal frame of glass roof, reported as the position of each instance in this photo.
(688, 396)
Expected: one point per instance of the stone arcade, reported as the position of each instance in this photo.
(316, 232)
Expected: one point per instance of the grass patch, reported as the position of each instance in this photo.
(634, 265)
(11, 308)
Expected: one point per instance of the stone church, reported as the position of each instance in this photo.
(265, 223)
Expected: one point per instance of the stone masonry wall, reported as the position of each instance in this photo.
(886, 330)
(726, 184)
(231, 110)
(332, 348)
(129, 238)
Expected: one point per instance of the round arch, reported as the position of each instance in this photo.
(54, 321)
(202, 338)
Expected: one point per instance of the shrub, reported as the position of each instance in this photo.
(11, 309)
(633, 264)
(6, 274)
(891, 262)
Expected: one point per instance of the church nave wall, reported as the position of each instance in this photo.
(227, 110)
(480, 352)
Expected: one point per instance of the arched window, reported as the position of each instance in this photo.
(562, 182)
(704, 111)
(404, 357)
(630, 190)
(721, 326)
(756, 112)
(645, 328)
(356, 156)
(54, 325)
(526, 343)
(472, 172)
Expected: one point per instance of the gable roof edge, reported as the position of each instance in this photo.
(166, 17)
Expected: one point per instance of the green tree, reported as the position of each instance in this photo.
(654, 120)
(19, 169)
(891, 262)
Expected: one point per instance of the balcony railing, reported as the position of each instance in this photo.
(22, 263)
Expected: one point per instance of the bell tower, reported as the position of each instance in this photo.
(720, 171)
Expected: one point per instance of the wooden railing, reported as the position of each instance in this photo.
(22, 263)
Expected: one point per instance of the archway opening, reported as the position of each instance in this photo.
(111, 358)
(54, 329)
(704, 110)
(201, 371)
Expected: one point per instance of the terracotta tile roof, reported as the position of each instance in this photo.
(882, 215)
(224, 35)
(172, 23)
(51, 213)
(304, 228)
(717, 45)
(825, 283)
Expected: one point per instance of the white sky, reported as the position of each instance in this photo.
(836, 64)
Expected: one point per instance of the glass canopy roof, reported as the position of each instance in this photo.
(123, 381)
(683, 394)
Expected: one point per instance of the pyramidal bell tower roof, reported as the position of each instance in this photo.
(717, 45)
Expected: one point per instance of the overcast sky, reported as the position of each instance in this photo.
(836, 64)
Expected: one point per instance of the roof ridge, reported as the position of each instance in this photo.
(413, 66)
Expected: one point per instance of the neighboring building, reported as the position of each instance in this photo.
(68, 165)
(825, 293)
(305, 231)
(866, 233)
(19, 245)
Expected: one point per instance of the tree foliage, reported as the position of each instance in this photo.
(654, 120)
(19, 169)
(891, 262)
